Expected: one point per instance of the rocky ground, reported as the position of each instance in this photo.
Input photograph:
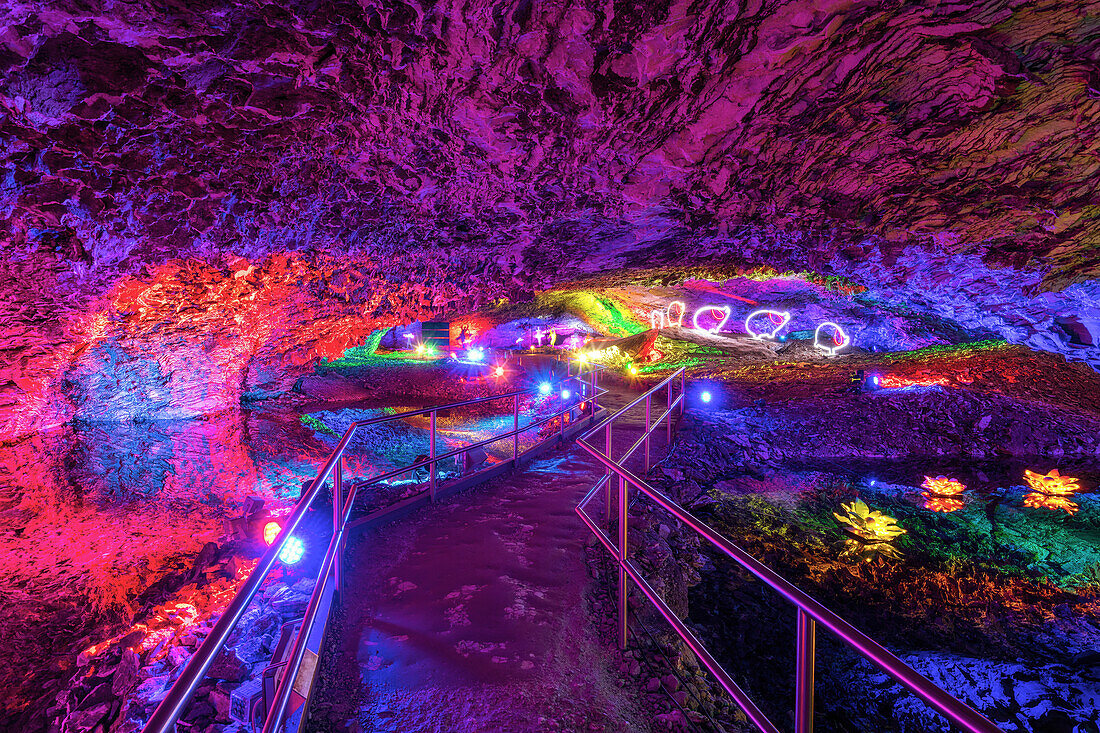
(998, 602)
(118, 686)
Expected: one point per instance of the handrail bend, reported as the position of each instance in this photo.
(174, 704)
(810, 611)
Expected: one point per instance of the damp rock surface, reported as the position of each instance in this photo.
(203, 201)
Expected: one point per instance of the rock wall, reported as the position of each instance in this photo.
(290, 176)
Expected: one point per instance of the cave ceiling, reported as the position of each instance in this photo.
(381, 160)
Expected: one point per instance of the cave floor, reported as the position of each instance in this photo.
(472, 615)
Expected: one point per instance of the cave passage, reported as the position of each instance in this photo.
(864, 237)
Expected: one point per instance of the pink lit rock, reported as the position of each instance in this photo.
(411, 160)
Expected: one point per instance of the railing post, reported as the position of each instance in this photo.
(515, 432)
(683, 397)
(668, 414)
(431, 460)
(595, 393)
(610, 476)
(804, 674)
(337, 518)
(624, 612)
(645, 466)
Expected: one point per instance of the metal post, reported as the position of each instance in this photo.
(431, 459)
(610, 477)
(683, 397)
(624, 612)
(668, 422)
(337, 508)
(595, 393)
(515, 433)
(645, 466)
(804, 674)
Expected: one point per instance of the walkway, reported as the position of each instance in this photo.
(471, 615)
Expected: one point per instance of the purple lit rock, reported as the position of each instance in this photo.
(414, 160)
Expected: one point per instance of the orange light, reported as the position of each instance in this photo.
(1035, 500)
(943, 494)
(892, 381)
(943, 486)
(1052, 483)
(271, 531)
(945, 504)
(1051, 491)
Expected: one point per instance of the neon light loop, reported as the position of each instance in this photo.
(679, 320)
(722, 309)
(784, 319)
(833, 345)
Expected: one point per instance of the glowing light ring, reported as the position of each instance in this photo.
(679, 318)
(714, 329)
(845, 339)
(784, 319)
(657, 319)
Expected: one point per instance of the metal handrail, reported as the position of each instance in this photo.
(174, 704)
(810, 611)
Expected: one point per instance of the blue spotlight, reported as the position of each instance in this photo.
(476, 354)
(544, 388)
(706, 396)
(565, 394)
(292, 551)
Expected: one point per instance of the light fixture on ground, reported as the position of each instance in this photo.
(292, 551)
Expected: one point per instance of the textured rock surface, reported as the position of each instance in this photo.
(198, 200)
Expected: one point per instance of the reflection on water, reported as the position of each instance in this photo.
(93, 514)
(986, 476)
